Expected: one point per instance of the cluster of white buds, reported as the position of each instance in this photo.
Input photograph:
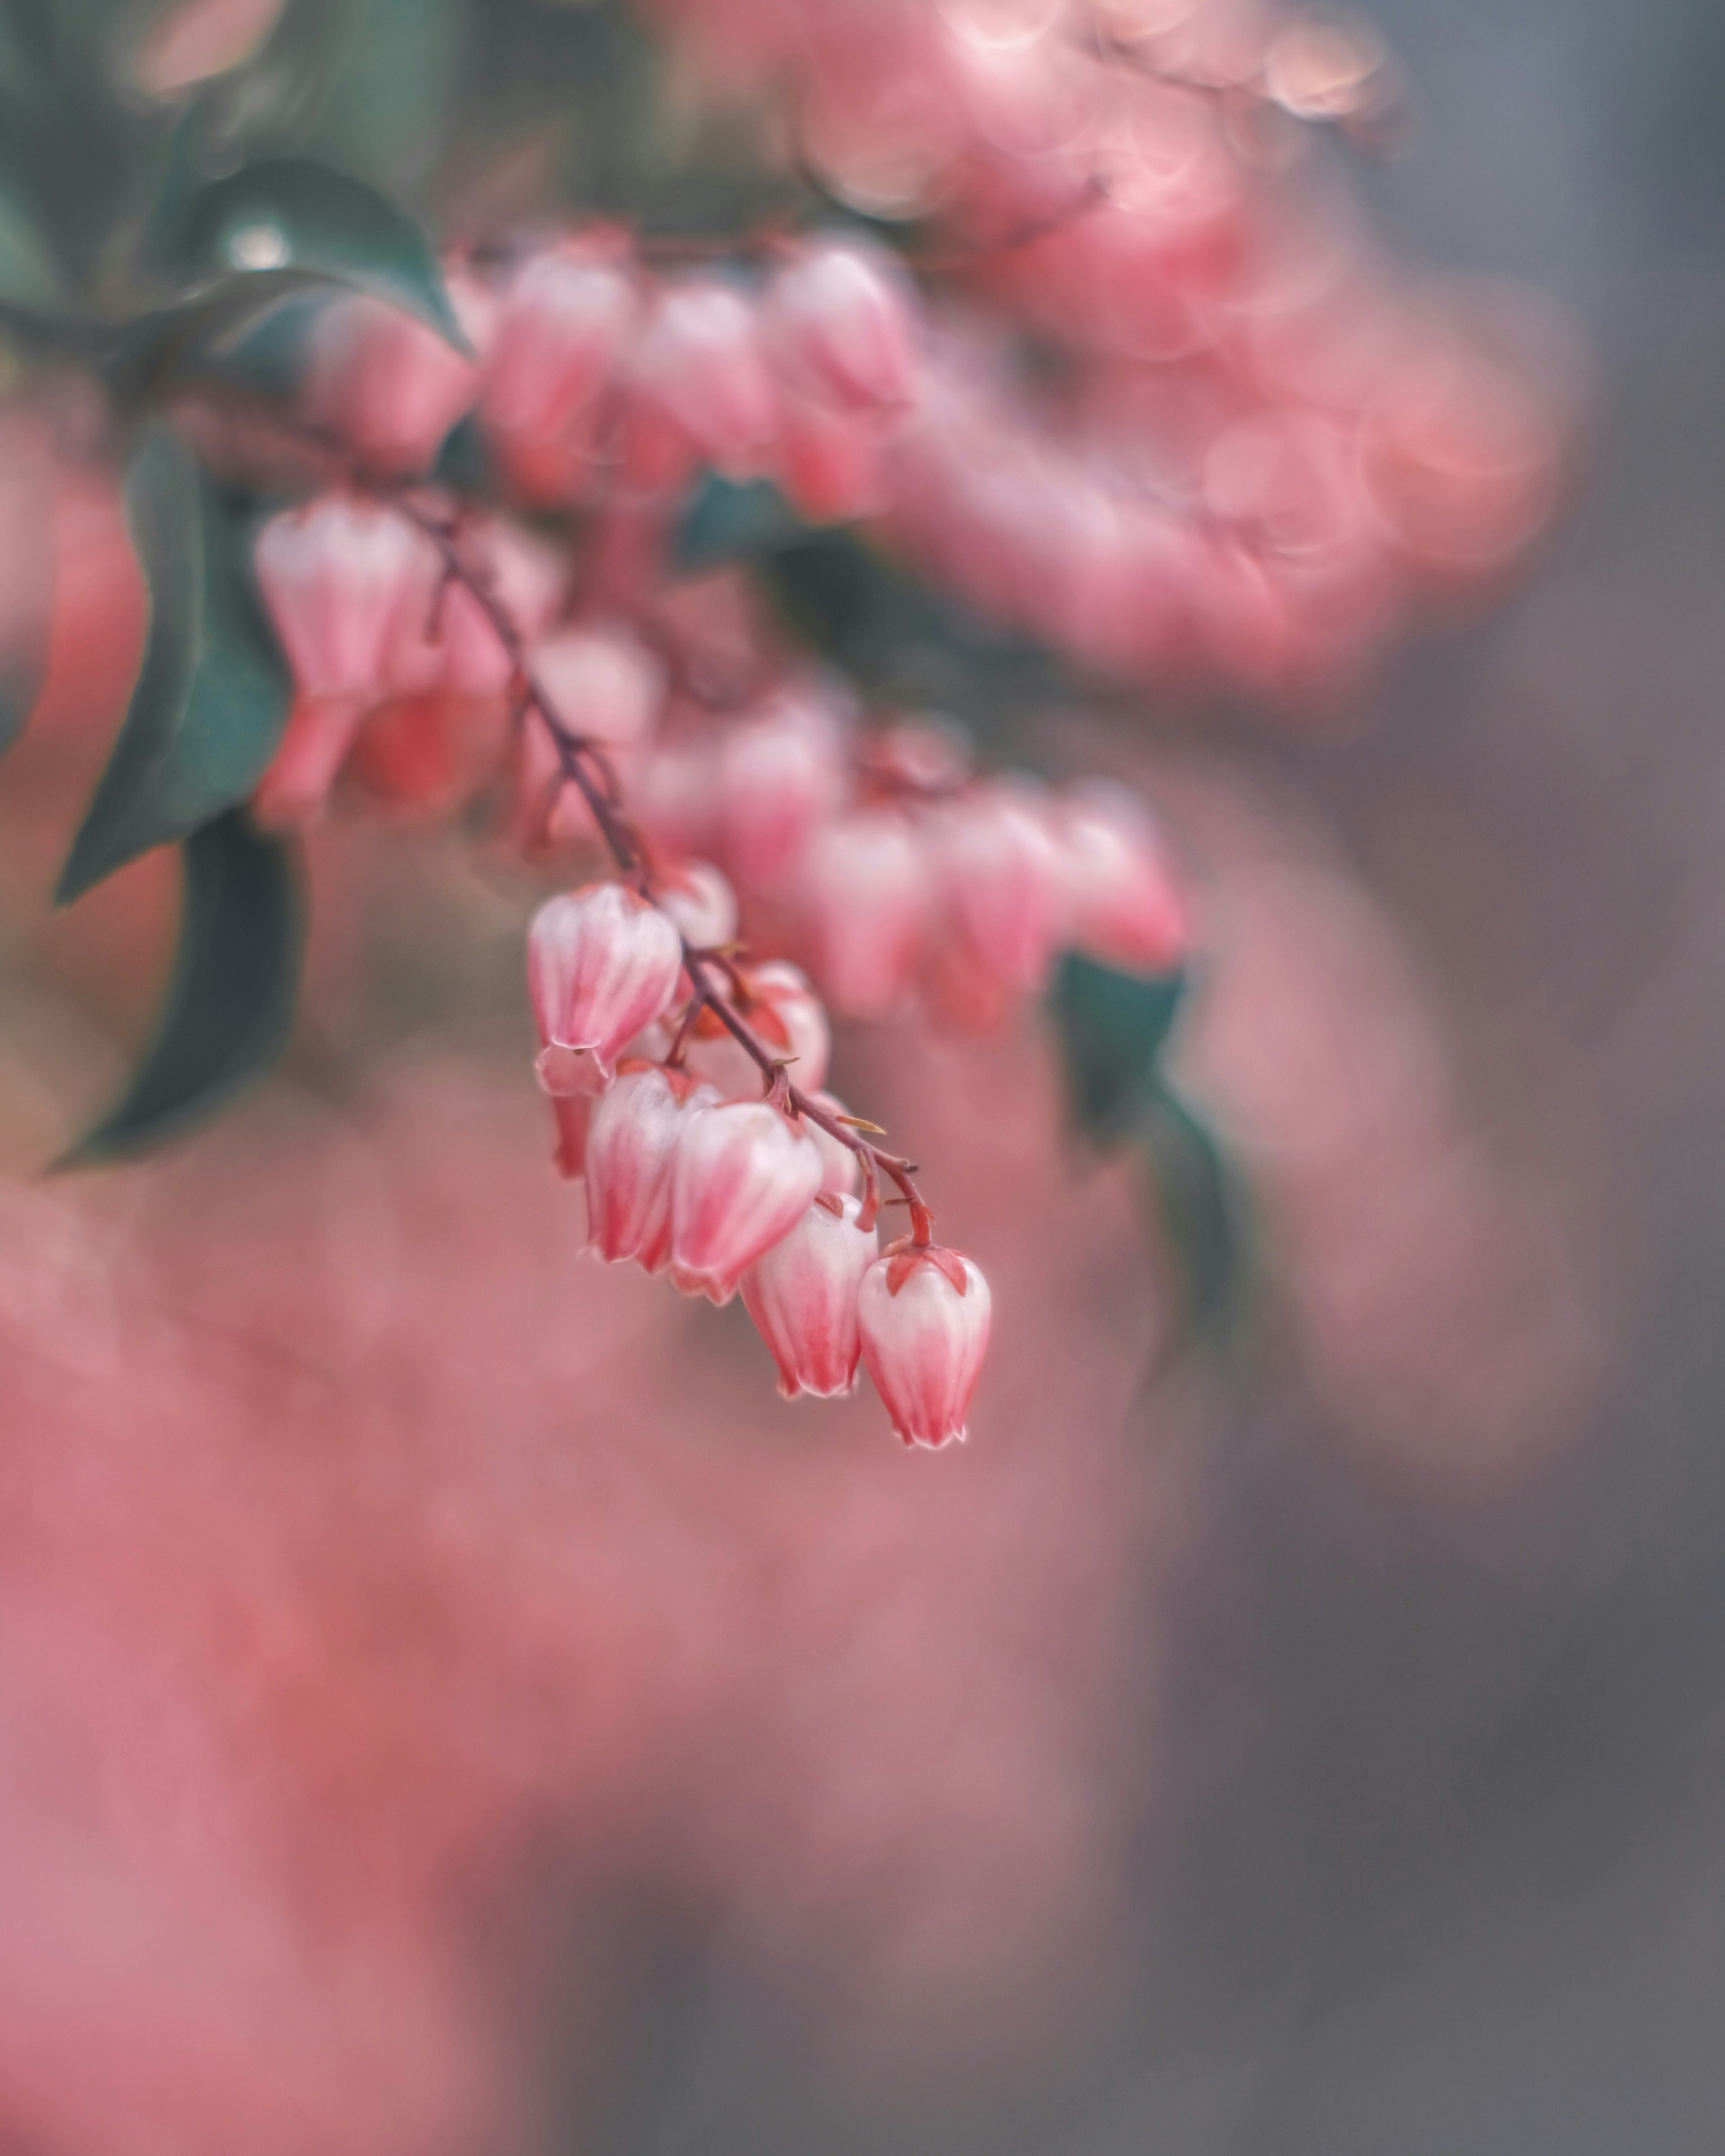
(720, 1192)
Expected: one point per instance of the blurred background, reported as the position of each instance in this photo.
(446, 1702)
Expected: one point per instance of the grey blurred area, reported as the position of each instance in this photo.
(1437, 1862)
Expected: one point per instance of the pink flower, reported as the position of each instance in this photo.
(836, 325)
(314, 745)
(701, 903)
(829, 461)
(388, 384)
(784, 1014)
(997, 867)
(339, 577)
(563, 329)
(1120, 901)
(802, 1295)
(601, 683)
(699, 363)
(674, 801)
(631, 1144)
(866, 889)
(924, 1319)
(781, 775)
(601, 964)
(744, 1175)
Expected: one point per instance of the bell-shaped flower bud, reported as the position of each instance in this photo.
(924, 1318)
(744, 1175)
(781, 1009)
(781, 776)
(997, 867)
(563, 329)
(701, 903)
(339, 577)
(803, 1297)
(1120, 901)
(631, 1144)
(602, 963)
(387, 383)
(840, 1166)
(866, 892)
(835, 322)
(699, 362)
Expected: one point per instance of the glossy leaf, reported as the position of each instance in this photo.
(212, 695)
(148, 348)
(291, 215)
(1113, 1027)
(230, 1001)
(1200, 1209)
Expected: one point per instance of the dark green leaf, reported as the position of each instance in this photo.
(150, 346)
(292, 214)
(464, 464)
(731, 520)
(1200, 1209)
(1113, 1027)
(231, 999)
(29, 275)
(212, 693)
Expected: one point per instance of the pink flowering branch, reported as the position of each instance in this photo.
(584, 765)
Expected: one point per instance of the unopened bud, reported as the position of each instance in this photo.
(802, 1297)
(996, 869)
(601, 964)
(387, 383)
(744, 1175)
(1122, 903)
(836, 325)
(631, 1144)
(781, 775)
(339, 577)
(866, 887)
(923, 1315)
(699, 361)
(563, 329)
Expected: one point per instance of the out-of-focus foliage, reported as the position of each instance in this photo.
(212, 692)
(232, 997)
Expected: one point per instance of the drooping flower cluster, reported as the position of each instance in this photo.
(722, 1192)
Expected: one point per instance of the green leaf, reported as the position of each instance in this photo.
(150, 346)
(29, 275)
(212, 693)
(1200, 1207)
(231, 999)
(289, 213)
(1113, 1027)
(731, 520)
